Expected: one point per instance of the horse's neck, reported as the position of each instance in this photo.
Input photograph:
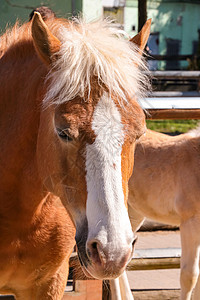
(21, 188)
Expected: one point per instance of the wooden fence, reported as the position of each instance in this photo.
(174, 104)
(172, 57)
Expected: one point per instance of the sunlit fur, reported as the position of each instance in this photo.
(99, 50)
(39, 170)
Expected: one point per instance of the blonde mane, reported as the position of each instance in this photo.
(96, 49)
(88, 50)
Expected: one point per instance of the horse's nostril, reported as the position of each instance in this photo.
(94, 245)
(93, 251)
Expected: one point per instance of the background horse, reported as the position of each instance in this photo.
(68, 130)
(165, 187)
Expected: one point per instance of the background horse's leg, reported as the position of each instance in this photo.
(190, 242)
(115, 289)
(196, 295)
(124, 287)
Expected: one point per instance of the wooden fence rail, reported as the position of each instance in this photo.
(173, 104)
(175, 114)
(178, 75)
(172, 57)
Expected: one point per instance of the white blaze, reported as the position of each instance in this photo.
(106, 213)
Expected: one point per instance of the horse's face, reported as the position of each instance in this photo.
(85, 156)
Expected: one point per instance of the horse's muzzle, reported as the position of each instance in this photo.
(102, 261)
(105, 265)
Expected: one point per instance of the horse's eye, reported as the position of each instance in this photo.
(64, 135)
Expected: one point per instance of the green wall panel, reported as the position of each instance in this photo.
(20, 9)
(92, 9)
(172, 19)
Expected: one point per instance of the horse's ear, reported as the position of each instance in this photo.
(46, 44)
(142, 37)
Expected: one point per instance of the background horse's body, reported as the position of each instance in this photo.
(165, 186)
(57, 106)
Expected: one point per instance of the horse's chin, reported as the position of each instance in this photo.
(99, 274)
(85, 271)
(94, 272)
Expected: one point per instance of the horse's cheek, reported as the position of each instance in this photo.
(127, 159)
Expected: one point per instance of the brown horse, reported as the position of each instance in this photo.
(165, 187)
(68, 129)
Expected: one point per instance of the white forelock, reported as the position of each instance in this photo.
(95, 49)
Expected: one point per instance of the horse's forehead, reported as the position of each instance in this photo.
(103, 112)
(76, 111)
(76, 106)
